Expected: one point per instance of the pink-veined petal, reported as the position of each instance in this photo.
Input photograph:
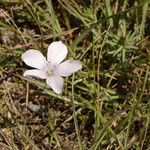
(34, 58)
(56, 83)
(68, 67)
(57, 52)
(35, 73)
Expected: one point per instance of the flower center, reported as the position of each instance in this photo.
(49, 69)
(49, 73)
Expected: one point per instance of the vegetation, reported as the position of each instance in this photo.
(104, 106)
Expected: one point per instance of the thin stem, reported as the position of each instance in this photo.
(75, 117)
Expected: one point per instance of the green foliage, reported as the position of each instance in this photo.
(106, 104)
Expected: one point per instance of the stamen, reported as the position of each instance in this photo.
(49, 73)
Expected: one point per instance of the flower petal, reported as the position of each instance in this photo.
(57, 51)
(34, 59)
(68, 67)
(56, 83)
(35, 73)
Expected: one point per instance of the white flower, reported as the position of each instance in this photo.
(52, 69)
